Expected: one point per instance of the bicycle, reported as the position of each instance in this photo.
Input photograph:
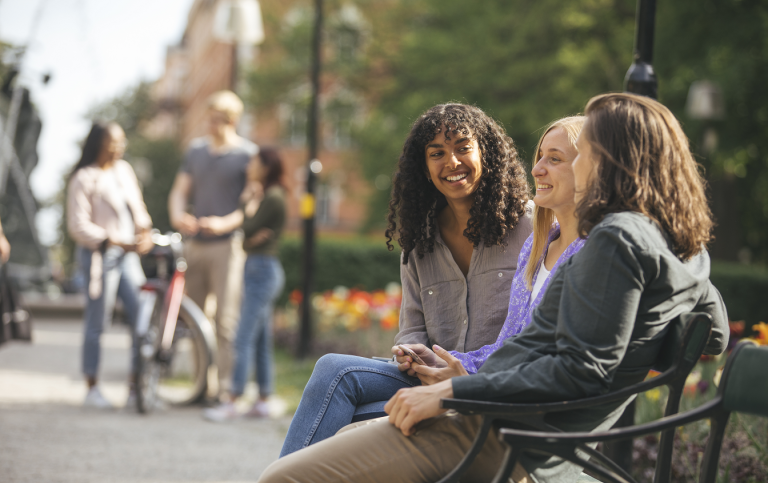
(177, 344)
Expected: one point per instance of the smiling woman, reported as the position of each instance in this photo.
(459, 199)
(496, 190)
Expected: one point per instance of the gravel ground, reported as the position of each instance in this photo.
(46, 436)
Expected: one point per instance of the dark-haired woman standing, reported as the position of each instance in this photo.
(107, 218)
(264, 213)
(459, 211)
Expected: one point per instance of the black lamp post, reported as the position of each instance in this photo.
(308, 201)
(640, 78)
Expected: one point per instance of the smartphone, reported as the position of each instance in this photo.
(412, 355)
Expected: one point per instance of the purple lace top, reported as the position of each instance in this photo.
(520, 304)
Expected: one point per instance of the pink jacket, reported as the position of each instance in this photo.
(92, 211)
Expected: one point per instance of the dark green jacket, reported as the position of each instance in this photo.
(599, 328)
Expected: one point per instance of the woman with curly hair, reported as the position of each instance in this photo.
(460, 212)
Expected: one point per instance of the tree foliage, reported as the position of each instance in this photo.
(724, 41)
(525, 63)
(528, 62)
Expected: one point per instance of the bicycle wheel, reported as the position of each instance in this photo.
(178, 376)
(183, 373)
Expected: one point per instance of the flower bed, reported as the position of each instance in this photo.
(347, 321)
(744, 457)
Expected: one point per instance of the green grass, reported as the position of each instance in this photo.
(291, 375)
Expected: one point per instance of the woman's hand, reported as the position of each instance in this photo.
(144, 242)
(404, 362)
(415, 404)
(451, 367)
(259, 237)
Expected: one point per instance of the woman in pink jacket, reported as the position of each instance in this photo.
(108, 220)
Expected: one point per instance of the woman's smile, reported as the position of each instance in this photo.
(454, 163)
(456, 178)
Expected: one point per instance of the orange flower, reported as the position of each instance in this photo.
(390, 321)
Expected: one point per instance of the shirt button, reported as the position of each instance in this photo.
(430, 292)
(465, 321)
(500, 275)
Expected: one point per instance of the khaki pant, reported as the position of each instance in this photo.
(376, 451)
(217, 267)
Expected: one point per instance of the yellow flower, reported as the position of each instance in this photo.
(762, 333)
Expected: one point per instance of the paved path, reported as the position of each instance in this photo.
(46, 436)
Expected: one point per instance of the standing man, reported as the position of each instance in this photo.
(209, 182)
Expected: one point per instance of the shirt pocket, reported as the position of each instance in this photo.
(444, 305)
(493, 300)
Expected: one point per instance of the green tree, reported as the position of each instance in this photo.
(525, 62)
(724, 41)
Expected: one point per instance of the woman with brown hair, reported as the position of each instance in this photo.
(598, 329)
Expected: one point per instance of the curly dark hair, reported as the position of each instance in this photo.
(499, 201)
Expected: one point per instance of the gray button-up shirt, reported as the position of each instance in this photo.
(441, 306)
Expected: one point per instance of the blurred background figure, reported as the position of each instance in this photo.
(5, 247)
(108, 220)
(264, 209)
(211, 178)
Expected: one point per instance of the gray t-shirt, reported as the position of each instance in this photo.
(217, 179)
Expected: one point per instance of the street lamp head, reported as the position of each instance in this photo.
(239, 22)
(705, 101)
(641, 79)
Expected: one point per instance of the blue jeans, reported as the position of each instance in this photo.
(343, 389)
(263, 281)
(122, 276)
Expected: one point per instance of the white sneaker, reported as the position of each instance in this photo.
(130, 402)
(260, 409)
(222, 412)
(94, 399)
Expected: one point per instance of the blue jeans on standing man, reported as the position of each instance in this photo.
(122, 276)
(343, 389)
(263, 281)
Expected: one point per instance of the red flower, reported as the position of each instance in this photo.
(296, 297)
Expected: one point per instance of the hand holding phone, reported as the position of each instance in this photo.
(412, 355)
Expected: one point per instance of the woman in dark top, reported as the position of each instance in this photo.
(264, 218)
